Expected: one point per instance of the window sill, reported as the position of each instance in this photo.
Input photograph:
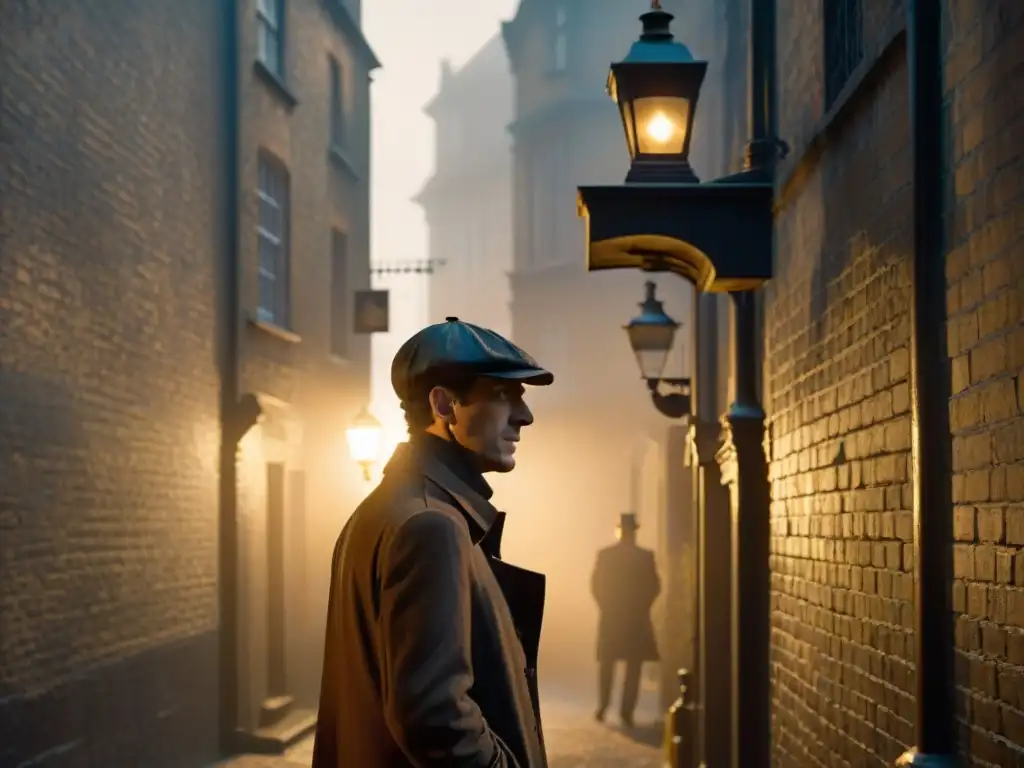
(276, 84)
(341, 159)
(275, 330)
(863, 76)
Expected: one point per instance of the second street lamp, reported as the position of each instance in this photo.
(364, 436)
(651, 336)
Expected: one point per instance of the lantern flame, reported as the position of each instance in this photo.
(660, 128)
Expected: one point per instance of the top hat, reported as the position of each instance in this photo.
(628, 521)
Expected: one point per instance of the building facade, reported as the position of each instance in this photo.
(566, 132)
(171, 213)
(468, 199)
(304, 239)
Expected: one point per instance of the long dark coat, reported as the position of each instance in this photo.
(625, 585)
(432, 640)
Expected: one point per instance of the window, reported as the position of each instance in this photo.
(273, 241)
(270, 18)
(340, 307)
(337, 105)
(559, 51)
(844, 33)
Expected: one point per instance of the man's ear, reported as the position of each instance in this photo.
(442, 403)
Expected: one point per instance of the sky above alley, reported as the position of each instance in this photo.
(410, 37)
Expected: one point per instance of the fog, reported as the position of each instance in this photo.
(457, 183)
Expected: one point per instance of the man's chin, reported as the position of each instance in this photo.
(506, 464)
(501, 464)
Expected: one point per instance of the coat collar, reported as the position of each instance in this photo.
(447, 467)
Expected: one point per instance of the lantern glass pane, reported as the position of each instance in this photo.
(662, 123)
(628, 124)
(651, 363)
(651, 344)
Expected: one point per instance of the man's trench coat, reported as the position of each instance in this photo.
(431, 648)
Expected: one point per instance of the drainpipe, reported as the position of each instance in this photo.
(930, 391)
(238, 413)
(742, 457)
(714, 549)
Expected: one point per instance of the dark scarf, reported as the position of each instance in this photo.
(456, 458)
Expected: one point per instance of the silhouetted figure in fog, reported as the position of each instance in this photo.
(431, 650)
(625, 585)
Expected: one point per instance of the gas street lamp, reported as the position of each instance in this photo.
(656, 88)
(651, 336)
(364, 437)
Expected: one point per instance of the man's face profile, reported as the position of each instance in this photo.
(486, 419)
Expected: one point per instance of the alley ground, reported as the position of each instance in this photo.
(574, 740)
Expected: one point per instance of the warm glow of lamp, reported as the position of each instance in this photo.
(364, 440)
(660, 128)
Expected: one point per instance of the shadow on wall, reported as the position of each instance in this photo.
(72, 672)
(37, 421)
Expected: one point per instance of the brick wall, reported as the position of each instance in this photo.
(837, 366)
(109, 230)
(837, 362)
(985, 270)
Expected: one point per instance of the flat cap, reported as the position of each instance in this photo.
(451, 350)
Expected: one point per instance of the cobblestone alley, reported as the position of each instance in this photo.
(573, 739)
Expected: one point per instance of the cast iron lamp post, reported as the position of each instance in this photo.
(718, 236)
(364, 436)
(651, 334)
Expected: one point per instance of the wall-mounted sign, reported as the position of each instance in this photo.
(371, 312)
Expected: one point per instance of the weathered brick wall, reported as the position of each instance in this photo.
(837, 360)
(985, 270)
(109, 238)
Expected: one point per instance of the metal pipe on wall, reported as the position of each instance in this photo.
(714, 547)
(742, 457)
(230, 363)
(930, 388)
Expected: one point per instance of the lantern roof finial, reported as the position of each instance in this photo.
(656, 23)
(657, 43)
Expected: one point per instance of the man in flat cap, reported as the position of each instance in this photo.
(432, 639)
(625, 584)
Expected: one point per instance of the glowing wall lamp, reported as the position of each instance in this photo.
(656, 88)
(364, 438)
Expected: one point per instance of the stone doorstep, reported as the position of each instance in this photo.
(278, 738)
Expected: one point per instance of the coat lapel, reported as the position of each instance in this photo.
(524, 590)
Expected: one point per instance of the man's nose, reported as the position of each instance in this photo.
(522, 416)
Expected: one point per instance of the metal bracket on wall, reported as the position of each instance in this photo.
(676, 403)
(414, 267)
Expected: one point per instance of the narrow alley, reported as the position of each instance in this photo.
(573, 739)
